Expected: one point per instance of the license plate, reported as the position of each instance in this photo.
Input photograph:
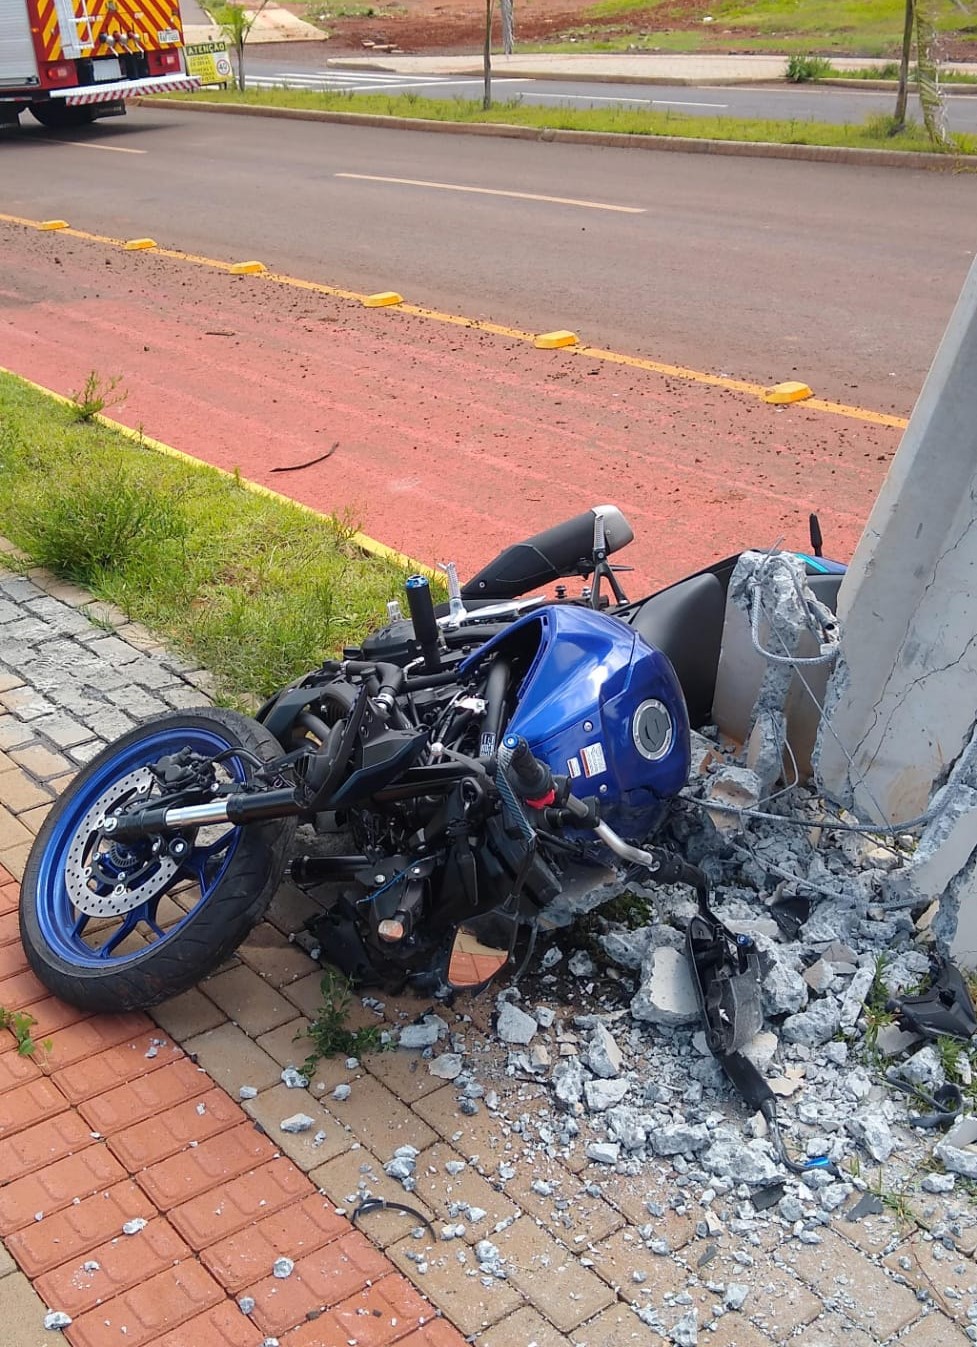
(106, 68)
(168, 35)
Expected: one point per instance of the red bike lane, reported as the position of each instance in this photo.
(450, 441)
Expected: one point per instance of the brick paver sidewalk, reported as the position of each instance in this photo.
(132, 1118)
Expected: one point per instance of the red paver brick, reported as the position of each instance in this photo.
(9, 928)
(153, 1140)
(123, 1262)
(75, 1230)
(214, 1215)
(42, 1144)
(327, 1277)
(437, 1333)
(9, 896)
(52, 1188)
(90, 1037)
(12, 959)
(122, 1062)
(22, 990)
(192, 1172)
(148, 1310)
(28, 1104)
(147, 1096)
(301, 1229)
(385, 1312)
(52, 1014)
(15, 1070)
(223, 1326)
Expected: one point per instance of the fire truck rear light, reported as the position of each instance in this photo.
(170, 60)
(54, 75)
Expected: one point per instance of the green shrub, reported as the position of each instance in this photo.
(802, 69)
(83, 526)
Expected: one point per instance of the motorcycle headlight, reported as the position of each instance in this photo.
(652, 729)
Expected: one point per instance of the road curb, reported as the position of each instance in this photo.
(957, 163)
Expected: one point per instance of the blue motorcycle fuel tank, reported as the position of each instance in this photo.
(598, 704)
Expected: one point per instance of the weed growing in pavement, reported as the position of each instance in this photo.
(802, 69)
(258, 590)
(328, 1032)
(96, 394)
(876, 1013)
(20, 1023)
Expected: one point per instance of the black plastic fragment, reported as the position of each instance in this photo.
(945, 1009)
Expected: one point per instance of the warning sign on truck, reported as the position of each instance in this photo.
(210, 62)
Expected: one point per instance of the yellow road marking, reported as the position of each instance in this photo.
(497, 329)
(495, 191)
(361, 540)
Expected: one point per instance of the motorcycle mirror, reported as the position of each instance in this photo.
(472, 963)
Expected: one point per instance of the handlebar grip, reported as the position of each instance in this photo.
(532, 777)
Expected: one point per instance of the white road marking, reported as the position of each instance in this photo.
(113, 149)
(495, 191)
(644, 102)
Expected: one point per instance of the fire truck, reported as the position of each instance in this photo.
(70, 61)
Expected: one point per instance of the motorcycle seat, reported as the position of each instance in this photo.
(685, 622)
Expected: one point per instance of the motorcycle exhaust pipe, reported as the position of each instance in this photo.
(237, 809)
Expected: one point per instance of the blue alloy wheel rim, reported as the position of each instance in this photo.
(61, 925)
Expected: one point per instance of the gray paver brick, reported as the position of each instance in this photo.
(181, 697)
(83, 753)
(149, 673)
(26, 628)
(8, 611)
(109, 722)
(14, 733)
(111, 648)
(137, 702)
(61, 730)
(26, 703)
(20, 589)
(59, 615)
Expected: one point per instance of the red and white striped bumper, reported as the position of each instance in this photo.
(111, 93)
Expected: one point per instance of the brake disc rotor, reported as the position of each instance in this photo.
(100, 900)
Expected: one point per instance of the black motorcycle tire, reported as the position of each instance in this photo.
(214, 927)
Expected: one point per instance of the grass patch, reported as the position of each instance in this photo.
(257, 590)
(623, 120)
(843, 27)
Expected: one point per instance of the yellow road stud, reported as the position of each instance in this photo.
(550, 341)
(53, 224)
(787, 392)
(382, 298)
(248, 268)
(139, 245)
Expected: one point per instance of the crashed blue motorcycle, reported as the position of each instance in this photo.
(476, 757)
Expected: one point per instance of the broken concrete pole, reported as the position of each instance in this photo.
(752, 690)
(901, 704)
(602, 1054)
(666, 994)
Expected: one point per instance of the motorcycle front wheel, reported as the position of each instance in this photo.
(110, 927)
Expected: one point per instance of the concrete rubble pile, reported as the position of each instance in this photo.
(600, 1051)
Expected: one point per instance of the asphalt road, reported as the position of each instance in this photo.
(762, 269)
(802, 102)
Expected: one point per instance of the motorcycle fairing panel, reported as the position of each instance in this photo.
(599, 705)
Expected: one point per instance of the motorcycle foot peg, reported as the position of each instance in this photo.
(392, 930)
